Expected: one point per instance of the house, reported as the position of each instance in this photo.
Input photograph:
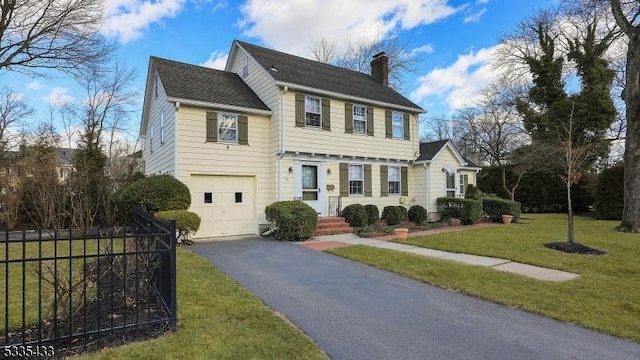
(274, 126)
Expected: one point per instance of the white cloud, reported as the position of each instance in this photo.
(58, 96)
(482, 2)
(427, 49)
(217, 60)
(460, 84)
(34, 85)
(474, 18)
(292, 26)
(129, 19)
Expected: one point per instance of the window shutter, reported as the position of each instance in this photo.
(367, 181)
(243, 130)
(348, 118)
(404, 183)
(212, 126)
(344, 179)
(384, 180)
(387, 124)
(300, 110)
(369, 121)
(326, 114)
(407, 127)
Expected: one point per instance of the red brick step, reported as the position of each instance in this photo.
(332, 226)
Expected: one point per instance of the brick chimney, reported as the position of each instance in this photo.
(380, 68)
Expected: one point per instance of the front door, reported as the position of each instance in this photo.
(312, 183)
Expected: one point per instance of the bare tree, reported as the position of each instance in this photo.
(54, 34)
(323, 50)
(627, 15)
(13, 111)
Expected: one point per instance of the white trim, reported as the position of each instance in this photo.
(240, 109)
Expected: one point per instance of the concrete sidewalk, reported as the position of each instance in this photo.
(322, 243)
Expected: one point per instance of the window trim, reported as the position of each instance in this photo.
(361, 180)
(162, 128)
(461, 184)
(151, 138)
(399, 181)
(306, 119)
(219, 127)
(450, 172)
(401, 117)
(363, 120)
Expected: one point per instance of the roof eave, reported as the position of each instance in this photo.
(349, 97)
(229, 107)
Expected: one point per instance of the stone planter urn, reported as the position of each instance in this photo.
(401, 233)
(506, 219)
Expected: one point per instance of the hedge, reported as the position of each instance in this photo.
(155, 193)
(294, 220)
(391, 215)
(355, 215)
(609, 198)
(403, 212)
(187, 222)
(467, 210)
(417, 214)
(373, 214)
(496, 207)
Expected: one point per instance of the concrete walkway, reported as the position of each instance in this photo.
(540, 273)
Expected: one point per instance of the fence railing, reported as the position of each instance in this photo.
(66, 289)
(334, 206)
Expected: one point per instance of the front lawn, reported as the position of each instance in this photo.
(606, 296)
(218, 319)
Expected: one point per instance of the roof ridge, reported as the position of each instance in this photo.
(188, 64)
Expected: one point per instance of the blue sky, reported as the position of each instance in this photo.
(454, 38)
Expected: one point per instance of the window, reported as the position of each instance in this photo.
(245, 67)
(312, 110)
(151, 138)
(227, 127)
(156, 85)
(359, 119)
(356, 180)
(464, 181)
(238, 197)
(397, 123)
(450, 181)
(162, 128)
(394, 180)
(208, 198)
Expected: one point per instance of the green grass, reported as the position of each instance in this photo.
(606, 297)
(218, 319)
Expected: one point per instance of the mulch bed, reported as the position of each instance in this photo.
(574, 248)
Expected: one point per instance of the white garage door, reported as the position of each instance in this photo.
(226, 205)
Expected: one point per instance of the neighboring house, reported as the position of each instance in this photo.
(274, 126)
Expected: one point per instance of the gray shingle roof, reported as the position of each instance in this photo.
(193, 82)
(301, 71)
(430, 149)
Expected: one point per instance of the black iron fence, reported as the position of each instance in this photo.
(66, 290)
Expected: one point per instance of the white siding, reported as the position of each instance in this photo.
(162, 159)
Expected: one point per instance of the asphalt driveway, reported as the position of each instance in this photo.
(354, 311)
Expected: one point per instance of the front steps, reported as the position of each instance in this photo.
(332, 226)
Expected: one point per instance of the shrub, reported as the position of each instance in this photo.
(403, 212)
(609, 199)
(468, 211)
(496, 207)
(355, 215)
(156, 193)
(417, 214)
(295, 220)
(391, 215)
(373, 214)
(471, 192)
(187, 222)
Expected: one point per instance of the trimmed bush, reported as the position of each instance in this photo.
(155, 193)
(403, 212)
(373, 214)
(294, 220)
(468, 211)
(355, 215)
(391, 215)
(187, 222)
(609, 198)
(496, 207)
(417, 214)
(471, 192)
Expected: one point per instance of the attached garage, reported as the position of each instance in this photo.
(226, 204)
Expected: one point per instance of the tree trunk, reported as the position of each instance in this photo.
(570, 232)
(631, 96)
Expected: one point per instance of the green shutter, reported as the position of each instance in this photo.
(243, 130)
(384, 180)
(344, 179)
(212, 126)
(369, 121)
(367, 181)
(326, 114)
(348, 118)
(387, 124)
(300, 110)
(404, 183)
(407, 127)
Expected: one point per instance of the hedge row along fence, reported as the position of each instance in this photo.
(470, 211)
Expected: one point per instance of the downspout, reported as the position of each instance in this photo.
(280, 153)
(426, 192)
